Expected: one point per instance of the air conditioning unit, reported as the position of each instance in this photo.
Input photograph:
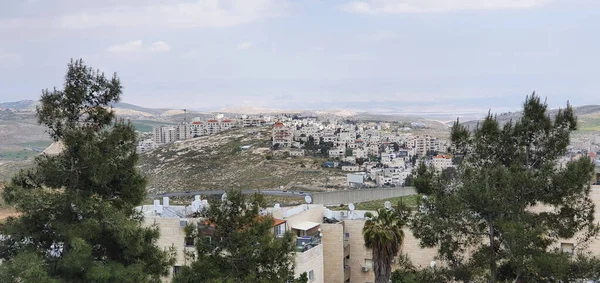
(365, 269)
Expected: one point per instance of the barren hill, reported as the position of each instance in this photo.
(217, 162)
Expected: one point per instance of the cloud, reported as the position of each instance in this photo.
(425, 6)
(137, 46)
(177, 14)
(244, 45)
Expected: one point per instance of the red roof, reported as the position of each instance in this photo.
(443, 156)
(277, 222)
(278, 124)
(226, 121)
(196, 122)
(212, 121)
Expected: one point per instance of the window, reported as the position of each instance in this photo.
(311, 275)
(279, 230)
(182, 222)
(176, 269)
(188, 241)
(567, 248)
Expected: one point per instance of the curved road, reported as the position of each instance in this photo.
(220, 192)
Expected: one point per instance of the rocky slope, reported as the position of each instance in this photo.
(217, 162)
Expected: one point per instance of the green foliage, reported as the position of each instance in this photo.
(485, 205)
(302, 279)
(408, 273)
(423, 181)
(77, 221)
(25, 267)
(396, 146)
(242, 246)
(348, 152)
(384, 236)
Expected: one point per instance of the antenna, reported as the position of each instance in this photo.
(387, 205)
(185, 115)
(351, 206)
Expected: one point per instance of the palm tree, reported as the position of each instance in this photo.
(384, 236)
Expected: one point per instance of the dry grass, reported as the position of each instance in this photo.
(217, 162)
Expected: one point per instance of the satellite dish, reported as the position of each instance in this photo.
(351, 206)
(224, 197)
(387, 205)
(277, 206)
(308, 199)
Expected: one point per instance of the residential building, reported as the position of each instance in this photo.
(297, 152)
(337, 152)
(197, 128)
(282, 135)
(213, 126)
(441, 162)
(423, 144)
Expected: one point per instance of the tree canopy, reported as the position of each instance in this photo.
(383, 234)
(237, 243)
(77, 220)
(502, 213)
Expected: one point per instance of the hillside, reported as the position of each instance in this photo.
(20, 105)
(588, 117)
(217, 162)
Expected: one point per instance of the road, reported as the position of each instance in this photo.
(220, 192)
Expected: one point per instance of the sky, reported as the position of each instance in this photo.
(387, 56)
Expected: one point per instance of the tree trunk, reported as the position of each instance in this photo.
(492, 252)
(382, 268)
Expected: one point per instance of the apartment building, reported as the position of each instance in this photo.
(168, 134)
(197, 128)
(423, 144)
(282, 135)
(441, 162)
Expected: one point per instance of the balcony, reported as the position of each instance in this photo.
(346, 249)
(346, 273)
(306, 243)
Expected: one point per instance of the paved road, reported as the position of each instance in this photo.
(220, 192)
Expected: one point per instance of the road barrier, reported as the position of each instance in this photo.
(360, 195)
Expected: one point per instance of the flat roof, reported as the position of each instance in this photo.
(305, 225)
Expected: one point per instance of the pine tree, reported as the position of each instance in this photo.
(78, 222)
(482, 217)
(241, 247)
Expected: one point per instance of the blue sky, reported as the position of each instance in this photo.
(387, 56)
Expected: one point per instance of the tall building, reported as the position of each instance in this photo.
(423, 144)
(282, 135)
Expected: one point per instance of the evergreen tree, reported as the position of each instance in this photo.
(485, 217)
(78, 222)
(241, 245)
